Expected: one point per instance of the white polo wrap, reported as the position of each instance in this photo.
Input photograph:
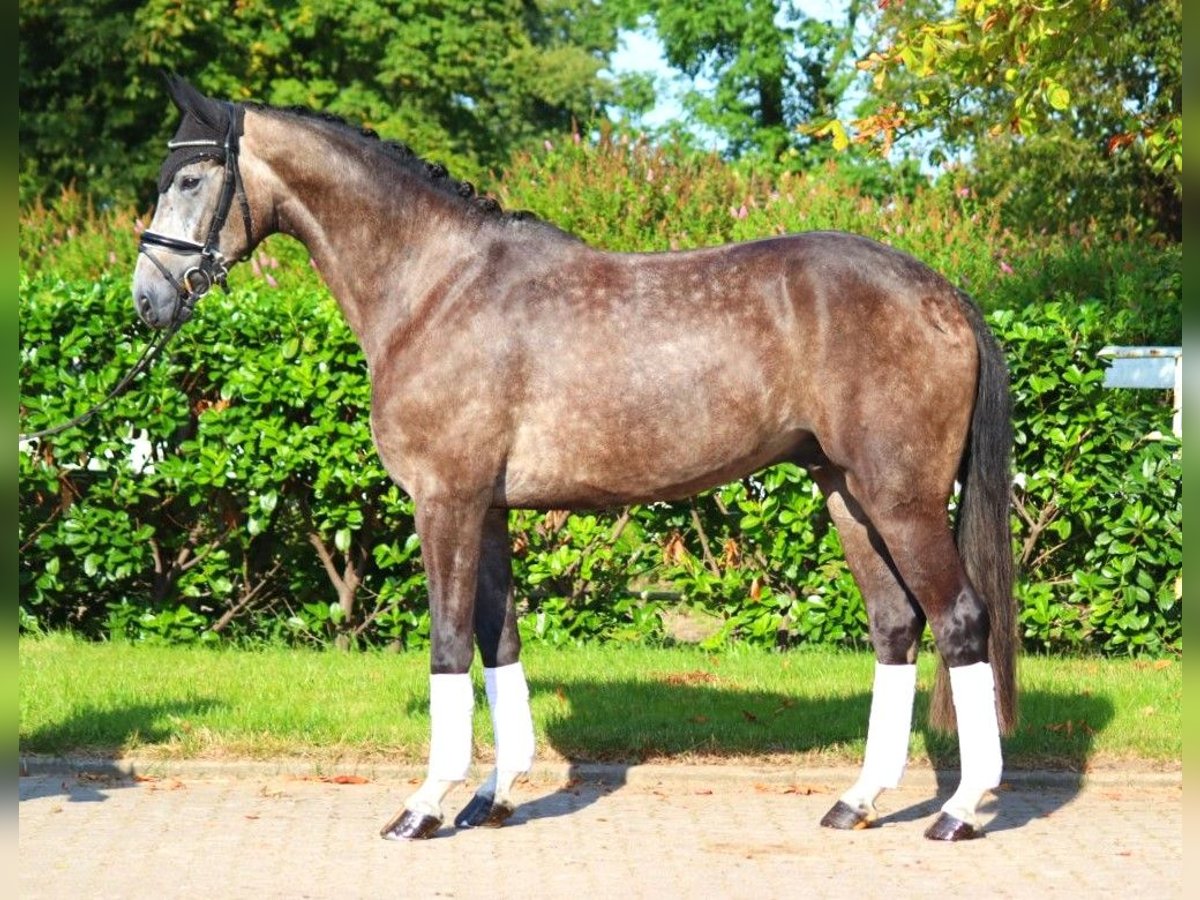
(512, 722)
(973, 688)
(890, 724)
(451, 704)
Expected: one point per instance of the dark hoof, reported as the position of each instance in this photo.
(845, 817)
(483, 812)
(410, 826)
(949, 828)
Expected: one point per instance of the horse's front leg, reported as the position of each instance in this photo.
(451, 535)
(504, 679)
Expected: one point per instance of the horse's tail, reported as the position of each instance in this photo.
(983, 528)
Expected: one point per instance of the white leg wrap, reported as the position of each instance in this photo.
(974, 690)
(888, 732)
(512, 722)
(451, 704)
(890, 724)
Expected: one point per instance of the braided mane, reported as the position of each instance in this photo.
(433, 173)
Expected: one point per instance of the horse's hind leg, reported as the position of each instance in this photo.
(896, 623)
(917, 533)
(504, 679)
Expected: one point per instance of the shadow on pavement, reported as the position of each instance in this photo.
(623, 723)
(89, 783)
(74, 736)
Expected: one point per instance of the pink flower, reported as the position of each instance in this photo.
(271, 281)
(1005, 268)
(964, 192)
(549, 146)
(740, 213)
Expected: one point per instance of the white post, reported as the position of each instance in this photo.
(1145, 367)
(1177, 421)
(1148, 367)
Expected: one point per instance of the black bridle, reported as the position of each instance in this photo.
(212, 268)
(195, 281)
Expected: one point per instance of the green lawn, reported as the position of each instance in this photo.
(594, 703)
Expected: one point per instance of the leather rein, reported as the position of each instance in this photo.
(197, 280)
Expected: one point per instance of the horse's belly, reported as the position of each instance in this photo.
(651, 416)
(640, 460)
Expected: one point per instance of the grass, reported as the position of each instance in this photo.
(594, 703)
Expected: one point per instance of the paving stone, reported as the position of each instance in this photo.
(707, 831)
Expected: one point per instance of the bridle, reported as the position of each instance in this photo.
(195, 281)
(212, 268)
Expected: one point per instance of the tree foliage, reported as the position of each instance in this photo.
(1073, 107)
(758, 68)
(465, 82)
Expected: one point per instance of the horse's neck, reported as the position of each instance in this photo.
(376, 246)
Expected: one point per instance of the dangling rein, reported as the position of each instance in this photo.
(153, 349)
(185, 301)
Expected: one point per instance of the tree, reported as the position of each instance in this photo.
(1072, 109)
(770, 67)
(464, 82)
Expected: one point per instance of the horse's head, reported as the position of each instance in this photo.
(192, 238)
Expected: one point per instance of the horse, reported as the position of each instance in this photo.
(513, 365)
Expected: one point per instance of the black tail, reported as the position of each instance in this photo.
(984, 529)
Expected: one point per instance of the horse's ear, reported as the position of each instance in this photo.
(190, 100)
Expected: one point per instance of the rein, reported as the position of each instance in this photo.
(197, 280)
(153, 349)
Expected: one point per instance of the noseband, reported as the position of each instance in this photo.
(213, 267)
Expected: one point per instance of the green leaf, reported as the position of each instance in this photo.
(1059, 97)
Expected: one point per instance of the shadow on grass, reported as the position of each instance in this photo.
(90, 739)
(621, 724)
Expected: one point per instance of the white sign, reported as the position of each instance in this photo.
(1148, 367)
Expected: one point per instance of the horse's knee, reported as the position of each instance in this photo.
(896, 631)
(451, 654)
(495, 615)
(961, 629)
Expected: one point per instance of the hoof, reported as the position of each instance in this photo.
(483, 811)
(845, 817)
(410, 826)
(949, 828)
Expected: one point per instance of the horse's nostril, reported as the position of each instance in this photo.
(146, 309)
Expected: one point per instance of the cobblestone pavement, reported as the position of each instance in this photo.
(96, 831)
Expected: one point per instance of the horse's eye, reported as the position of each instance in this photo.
(189, 182)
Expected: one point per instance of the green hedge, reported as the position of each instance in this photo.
(256, 494)
(235, 494)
